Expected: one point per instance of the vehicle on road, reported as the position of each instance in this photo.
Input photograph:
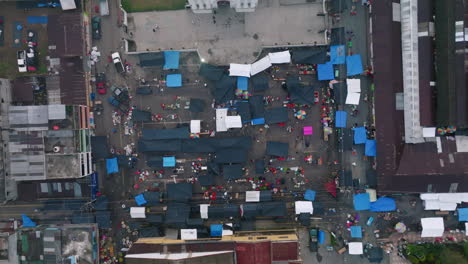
(118, 62)
(101, 83)
(21, 59)
(96, 27)
(313, 240)
(117, 104)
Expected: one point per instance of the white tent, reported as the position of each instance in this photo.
(432, 227)
(252, 196)
(239, 69)
(204, 211)
(355, 248)
(67, 4)
(354, 85)
(443, 201)
(429, 131)
(353, 98)
(188, 234)
(304, 207)
(260, 65)
(233, 122)
(137, 212)
(227, 231)
(221, 114)
(280, 57)
(372, 194)
(195, 126)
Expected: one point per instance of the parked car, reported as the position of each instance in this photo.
(118, 62)
(96, 27)
(101, 83)
(21, 59)
(313, 240)
(31, 59)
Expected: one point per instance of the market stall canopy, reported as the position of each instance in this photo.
(197, 105)
(143, 116)
(224, 89)
(140, 200)
(280, 57)
(103, 219)
(169, 162)
(372, 194)
(443, 201)
(337, 36)
(137, 212)
(174, 80)
(355, 248)
(221, 114)
(206, 180)
(240, 69)
(309, 195)
(462, 214)
(338, 54)
(354, 65)
(276, 115)
(216, 230)
(257, 107)
(243, 83)
(252, 196)
(383, 204)
(151, 59)
(171, 60)
(154, 161)
(361, 202)
(360, 135)
(277, 149)
(303, 207)
(259, 166)
(204, 211)
(371, 148)
(112, 166)
(152, 198)
(232, 172)
(144, 90)
(273, 209)
(354, 85)
(325, 71)
(356, 231)
(260, 65)
(100, 147)
(177, 214)
(27, 222)
(250, 210)
(231, 155)
(429, 131)
(259, 82)
(195, 126)
(233, 122)
(432, 227)
(211, 72)
(157, 134)
(311, 55)
(340, 119)
(188, 234)
(243, 109)
(179, 192)
(353, 98)
(340, 92)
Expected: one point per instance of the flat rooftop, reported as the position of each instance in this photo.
(227, 36)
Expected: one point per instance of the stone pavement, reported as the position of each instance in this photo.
(226, 36)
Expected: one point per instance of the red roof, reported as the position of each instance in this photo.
(284, 251)
(253, 253)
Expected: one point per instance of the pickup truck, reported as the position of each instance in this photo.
(313, 240)
(21, 58)
(118, 62)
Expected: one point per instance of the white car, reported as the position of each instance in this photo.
(118, 62)
(21, 58)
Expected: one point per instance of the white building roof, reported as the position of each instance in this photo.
(56, 111)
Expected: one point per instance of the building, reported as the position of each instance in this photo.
(207, 6)
(58, 244)
(241, 248)
(421, 97)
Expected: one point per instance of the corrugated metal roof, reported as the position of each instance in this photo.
(65, 32)
(28, 118)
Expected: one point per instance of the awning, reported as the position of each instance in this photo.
(221, 114)
(240, 69)
(356, 231)
(171, 60)
(340, 118)
(354, 85)
(355, 248)
(112, 166)
(338, 54)
(137, 212)
(354, 65)
(252, 196)
(280, 57)
(432, 227)
(429, 131)
(372, 194)
(174, 80)
(260, 65)
(233, 122)
(370, 149)
(242, 83)
(204, 211)
(325, 71)
(169, 162)
(188, 234)
(360, 135)
(304, 207)
(353, 98)
(361, 202)
(195, 126)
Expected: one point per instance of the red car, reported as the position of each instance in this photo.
(101, 83)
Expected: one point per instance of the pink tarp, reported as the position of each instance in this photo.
(308, 130)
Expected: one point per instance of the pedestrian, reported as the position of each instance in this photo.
(353, 11)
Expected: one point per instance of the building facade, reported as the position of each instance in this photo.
(207, 6)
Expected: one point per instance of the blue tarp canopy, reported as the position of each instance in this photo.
(383, 204)
(37, 19)
(171, 60)
(216, 230)
(112, 165)
(325, 71)
(356, 232)
(338, 54)
(258, 121)
(169, 162)
(354, 65)
(462, 214)
(321, 237)
(242, 83)
(361, 202)
(140, 199)
(359, 135)
(27, 222)
(309, 195)
(174, 80)
(370, 148)
(340, 119)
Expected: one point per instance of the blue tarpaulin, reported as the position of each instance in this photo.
(309, 195)
(258, 121)
(370, 148)
(140, 199)
(354, 65)
(37, 20)
(171, 60)
(359, 135)
(340, 118)
(174, 80)
(216, 230)
(169, 162)
(325, 71)
(27, 222)
(361, 201)
(112, 165)
(383, 204)
(356, 232)
(321, 237)
(242, 83)
(338, 54)
(462, 214)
